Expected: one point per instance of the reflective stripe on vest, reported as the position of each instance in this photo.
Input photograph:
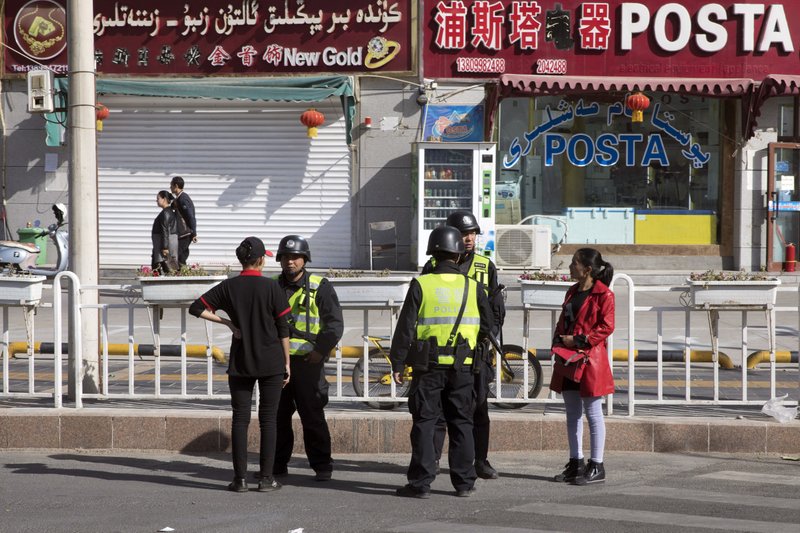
(298, 301)
(441, 302)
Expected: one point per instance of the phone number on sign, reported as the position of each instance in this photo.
(480, 64)
(551, 66)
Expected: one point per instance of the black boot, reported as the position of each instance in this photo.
(595, 473)
(574, 468)
(238, 485)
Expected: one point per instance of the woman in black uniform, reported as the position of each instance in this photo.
(257, 309)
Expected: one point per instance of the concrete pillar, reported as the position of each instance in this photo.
(83, 250)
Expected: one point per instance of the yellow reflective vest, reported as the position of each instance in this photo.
(304, 316)
(442, 295)
(478, 270)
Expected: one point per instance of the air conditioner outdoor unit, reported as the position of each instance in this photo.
(523, 246)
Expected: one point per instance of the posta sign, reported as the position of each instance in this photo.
(202, 37)
(686, 38)
(607, 149)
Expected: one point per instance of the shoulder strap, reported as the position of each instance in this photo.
(452, 338)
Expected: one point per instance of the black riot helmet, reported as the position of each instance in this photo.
(445, 239)
(294, 244)
(463, 221)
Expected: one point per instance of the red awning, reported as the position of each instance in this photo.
(520, 84)
(773, 85)
(780, 85)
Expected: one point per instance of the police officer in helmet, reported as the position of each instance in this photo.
(482, 270)
(316, 325)
(444, 316)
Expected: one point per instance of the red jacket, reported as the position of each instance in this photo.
(595, 319)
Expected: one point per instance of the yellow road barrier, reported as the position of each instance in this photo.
(755, 358)
(192, 350)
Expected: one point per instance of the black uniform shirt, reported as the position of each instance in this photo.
(257, 306)
(406, 329)
(330, 312)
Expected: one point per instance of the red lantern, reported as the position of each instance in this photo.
(101, 113)
(637, 103)
(312, 119)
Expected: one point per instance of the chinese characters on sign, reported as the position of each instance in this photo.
(612, 38)
(487, 26)
(144, 37)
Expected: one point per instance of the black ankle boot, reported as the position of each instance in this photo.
(574, 468)
(238, 485)
(595, 473)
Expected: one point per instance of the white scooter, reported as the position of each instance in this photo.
(21, 256)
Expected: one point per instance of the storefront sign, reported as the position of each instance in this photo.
(469, 38)
(607, 149)
(453, 123)
(147, 37)
(783, 206)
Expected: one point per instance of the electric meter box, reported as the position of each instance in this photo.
(40, 91)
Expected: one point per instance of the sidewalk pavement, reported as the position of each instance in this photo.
(372, 431)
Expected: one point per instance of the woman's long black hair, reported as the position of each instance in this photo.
(601, 270)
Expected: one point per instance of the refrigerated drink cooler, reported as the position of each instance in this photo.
(453, 177)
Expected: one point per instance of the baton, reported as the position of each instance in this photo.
(501, 353)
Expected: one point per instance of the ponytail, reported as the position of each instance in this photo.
(606, 274)
(601, 270)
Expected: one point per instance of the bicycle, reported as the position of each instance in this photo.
(380, 376)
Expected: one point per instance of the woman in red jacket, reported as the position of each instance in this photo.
(586, 321)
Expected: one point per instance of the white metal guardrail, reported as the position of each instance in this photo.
(145, 378)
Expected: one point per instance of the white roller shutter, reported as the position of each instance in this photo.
(249, 168)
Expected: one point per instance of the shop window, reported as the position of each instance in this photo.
(612, 180)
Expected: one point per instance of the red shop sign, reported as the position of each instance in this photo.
(207, 37)
(652, 38)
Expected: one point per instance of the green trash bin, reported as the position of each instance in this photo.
(34, 235)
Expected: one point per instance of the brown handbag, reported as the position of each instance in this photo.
(569, 363)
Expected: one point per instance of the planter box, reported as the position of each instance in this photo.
(733, 293)
(544, 294)
(371, 290)
(176, 289)
(17, 290)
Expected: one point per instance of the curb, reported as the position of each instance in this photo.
(209, 431)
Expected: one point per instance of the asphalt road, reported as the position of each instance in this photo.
(97, 492)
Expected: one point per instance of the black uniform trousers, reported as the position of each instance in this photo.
(306, 393)
(448, 393)
(269, 390)
(480, 422)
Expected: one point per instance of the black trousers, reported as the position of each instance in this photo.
(183, 250)
(449, 393)
(269, 390)
(480, 422)
(306, 393)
